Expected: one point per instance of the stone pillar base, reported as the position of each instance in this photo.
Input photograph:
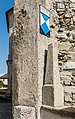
(53, 95)
(24, 112)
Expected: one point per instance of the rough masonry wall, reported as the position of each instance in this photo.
(66, 40)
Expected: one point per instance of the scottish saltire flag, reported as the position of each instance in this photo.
(44, 21)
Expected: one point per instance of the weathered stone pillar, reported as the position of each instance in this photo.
(53, 93)
(28, 56)
(28, 49)
(24, 59)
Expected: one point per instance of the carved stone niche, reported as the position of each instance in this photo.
(60, 7)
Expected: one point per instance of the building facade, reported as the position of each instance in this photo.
(10, 20)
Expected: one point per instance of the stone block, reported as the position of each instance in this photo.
(73, 73)
(73, 96)
(24, 112)
(67, 83)
(68, 97)
(72, 0)
(66, 1)
(25, 53)
(65, 73)
(74, 18)
(69, 65)
(53, 95)
(71, 27)
(60, 7)
(69, 89)
(68, 15)
(66, 78)
(52, 69)
(62, 36)
(64, 46)
(73, 83)
(72, 5)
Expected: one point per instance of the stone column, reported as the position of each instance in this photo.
(28, 51)
(24, 60)
(53, 93)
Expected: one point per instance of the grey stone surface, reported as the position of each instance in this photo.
(69, 89)
(68, 97)
(28, 54)
(62, 113)
(43, 42)
(24, 53)
(23, 112)
(5, 110)
(52, 70)
(29, 49)
(72, 0)
(66, 41)
(69, 65)
(48, 95)
(53, 95)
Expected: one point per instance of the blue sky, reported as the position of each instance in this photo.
(5, 5)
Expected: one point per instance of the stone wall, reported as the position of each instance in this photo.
(29, 46)
(28, 53)
(66, 41)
